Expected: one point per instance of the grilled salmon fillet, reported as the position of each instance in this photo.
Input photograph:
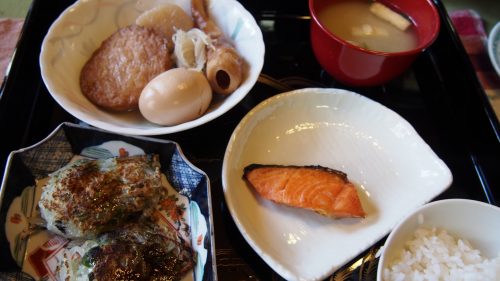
(323, 190)
(87, 197)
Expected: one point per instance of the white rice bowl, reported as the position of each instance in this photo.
(453, 239)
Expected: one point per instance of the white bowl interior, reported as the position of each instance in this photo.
(475, 221)
(82, 27)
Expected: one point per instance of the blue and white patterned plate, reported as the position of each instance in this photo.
(33, 257)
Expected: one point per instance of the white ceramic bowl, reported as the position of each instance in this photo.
(82, 27)
(494, 47)
(475, 221)
(395, 171)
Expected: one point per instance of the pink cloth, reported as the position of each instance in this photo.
(470, 28)
(9, 35)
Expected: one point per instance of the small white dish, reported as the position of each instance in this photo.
(82, 27)
(475, 221)
(394, 169)
(494, 47)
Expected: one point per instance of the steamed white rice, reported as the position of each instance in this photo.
(433, 254)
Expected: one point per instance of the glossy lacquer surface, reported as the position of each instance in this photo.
(361, 67)
(439, 96)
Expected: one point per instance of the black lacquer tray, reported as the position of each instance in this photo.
(440, 96)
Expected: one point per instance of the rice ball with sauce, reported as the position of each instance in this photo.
(175, 96)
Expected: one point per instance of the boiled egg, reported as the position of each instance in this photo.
(175, 96)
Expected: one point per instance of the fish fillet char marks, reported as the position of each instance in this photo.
(323, 190)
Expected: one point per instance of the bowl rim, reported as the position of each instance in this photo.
(494, 38)
(433, 204)
(417, 49)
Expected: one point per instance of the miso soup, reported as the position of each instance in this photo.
(353, 22)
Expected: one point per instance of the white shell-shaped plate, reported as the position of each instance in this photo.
(82, 27)
(394, 169)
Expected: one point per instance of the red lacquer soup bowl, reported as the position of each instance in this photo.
(357, 66)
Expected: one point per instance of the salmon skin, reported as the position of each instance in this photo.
(321, 189)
